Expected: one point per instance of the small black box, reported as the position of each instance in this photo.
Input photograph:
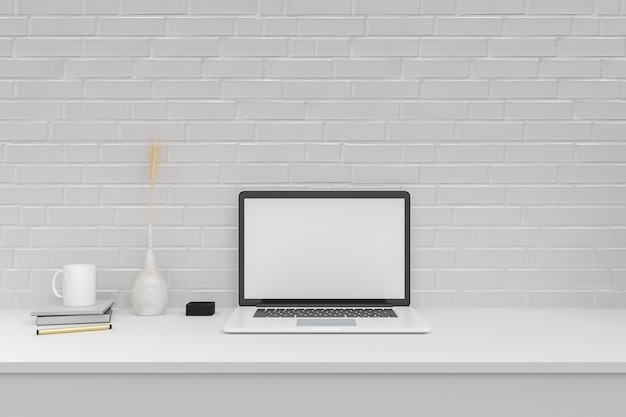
(200, 308)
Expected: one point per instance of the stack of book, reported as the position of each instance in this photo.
(78, 318)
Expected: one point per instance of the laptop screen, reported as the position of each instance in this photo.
(323, 247)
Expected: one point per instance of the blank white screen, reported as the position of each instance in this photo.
(326, 248)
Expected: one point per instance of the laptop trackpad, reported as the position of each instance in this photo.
(326, 322)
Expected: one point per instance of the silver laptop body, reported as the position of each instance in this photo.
(324, 262)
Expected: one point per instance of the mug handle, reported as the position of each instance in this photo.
(54, 287)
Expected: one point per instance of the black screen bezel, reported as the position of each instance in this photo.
(328, 302)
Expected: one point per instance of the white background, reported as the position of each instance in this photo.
(503, 119)
(324, 248)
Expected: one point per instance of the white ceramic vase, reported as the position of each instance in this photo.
(149, 295)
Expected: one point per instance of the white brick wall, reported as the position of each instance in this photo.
(504, 119)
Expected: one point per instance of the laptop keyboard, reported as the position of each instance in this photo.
(325, 312)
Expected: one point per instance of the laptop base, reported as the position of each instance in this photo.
(242, 320)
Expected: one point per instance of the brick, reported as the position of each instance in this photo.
(236, 7)
(519, 174)
(49, 89)
(240, 47)
(470, 279)
(83, 216)
(366, 47)
(83, 131)
(49, 174)
(51, 237)
(438, 7)
(33, 153)
(202, 152)
(399, 26)
(453, 47)
(566, 131)
(436, 68)
(318, 89)
(201, 110)
(575, 237)
(127, 216)
(609, 131)
(94, 110)
(585, 26)
(132, 26)
(167, 68)
(322, 7)
(185, 47)
(490, 7)
(591, 216)
(29, 110)
(96, 68)
(504, 68)
(237, 68)
(199, 26)
(81, 195)
(523, 89)
(386, 89)
(613, 68)
(471, 195)
(247, 174)
(455, 89)
(116, 47)
(371, 153)
(60, 26)
(13, 26)
(220, 131)
(366, 68)
(592, 174)
(373, 7)
(454, 174)
(523, 47)
(117, 89)
(489, 299)
(323, 26)
(434, 110)
(323, 152)
(418, 153)
(561, 257)
(185, 89)
(537, 26)
(409, 131)
(470, 153)
(252, 89)
(289, 131)
(606, 110)
(559, 7)
(298, 68)
(539, 153)
(382, 174)
(158, 7)
(433, 257)
(332, 47)
(352, 110)
(354, 131)
(489, 131)
(560, 299)
(23, 131)
(468, 26)
(248, 26)
(319, 174)
(538, 110)
(280, 26)
(133, 194)
(44, 7)
(540, 195)
(576, 68)
(490, 258)
(601, 194)
(270, 110)
(589, 47)
(249, 152)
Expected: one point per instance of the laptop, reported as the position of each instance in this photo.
(324, 262)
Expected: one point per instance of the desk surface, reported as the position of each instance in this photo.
(462, 341)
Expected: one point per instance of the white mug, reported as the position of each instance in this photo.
(79, 285)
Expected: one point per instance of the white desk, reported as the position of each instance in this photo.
(475, 362)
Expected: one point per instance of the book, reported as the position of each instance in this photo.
(100, 307)
(75, 319)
